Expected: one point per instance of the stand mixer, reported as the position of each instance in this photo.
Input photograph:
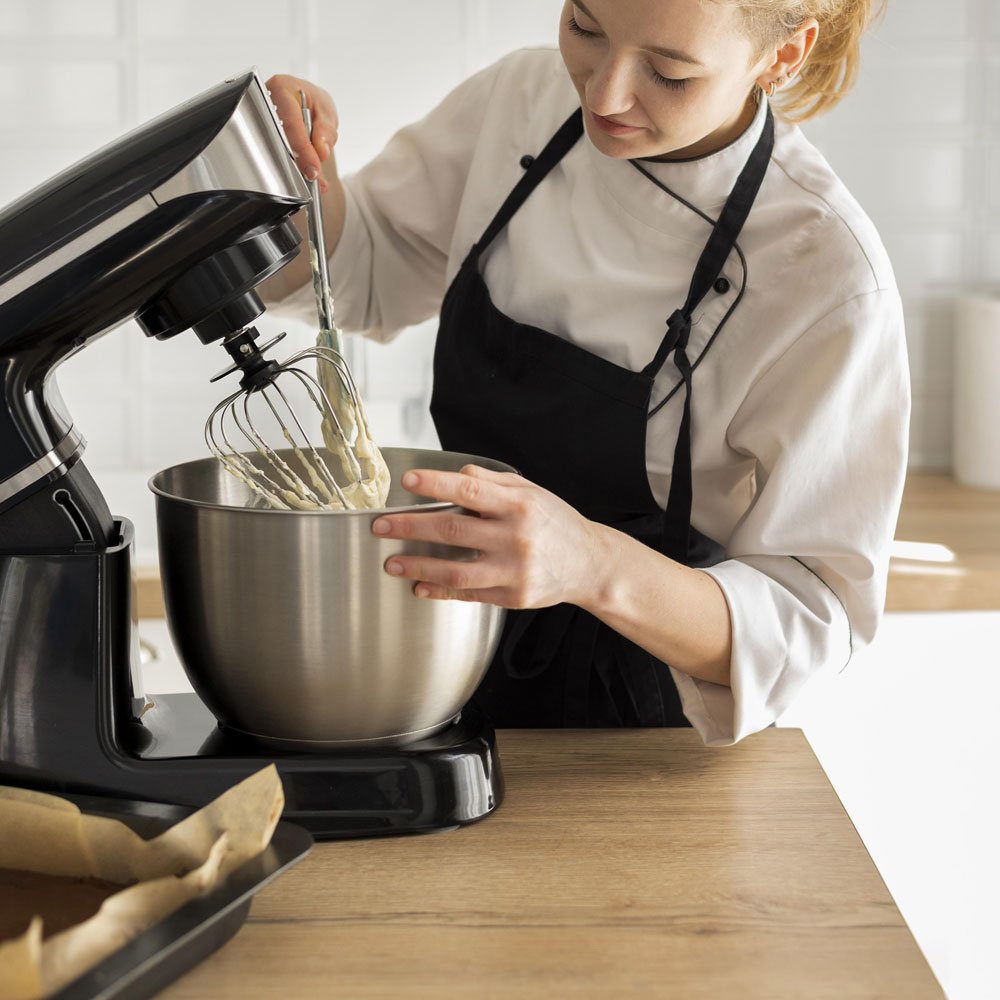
(174, 225)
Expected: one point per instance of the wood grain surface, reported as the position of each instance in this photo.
(938, 510)
(622, 863)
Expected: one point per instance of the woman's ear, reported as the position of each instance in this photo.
(789, 58)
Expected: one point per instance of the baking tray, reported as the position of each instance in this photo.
(168, 949)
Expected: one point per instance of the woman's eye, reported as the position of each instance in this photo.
(574, 26)
(666, 81)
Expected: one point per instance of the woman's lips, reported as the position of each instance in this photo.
(612, 127)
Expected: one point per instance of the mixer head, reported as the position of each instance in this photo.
(175, 225)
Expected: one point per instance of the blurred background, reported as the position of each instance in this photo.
(906, 734)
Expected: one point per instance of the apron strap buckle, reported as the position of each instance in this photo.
(678, 334)
(679, 325)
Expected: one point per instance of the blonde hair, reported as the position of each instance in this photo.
(832, 67)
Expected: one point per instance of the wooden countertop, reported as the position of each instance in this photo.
(965, 523)
(623, 862)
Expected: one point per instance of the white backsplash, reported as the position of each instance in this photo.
(918, 143)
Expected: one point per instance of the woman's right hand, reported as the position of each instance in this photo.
(311, 153)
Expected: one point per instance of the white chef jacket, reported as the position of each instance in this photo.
(801, 390)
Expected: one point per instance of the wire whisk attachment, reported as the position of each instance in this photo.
(345, 473)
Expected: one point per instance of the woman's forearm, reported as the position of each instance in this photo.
(678, 614)
(299, 272)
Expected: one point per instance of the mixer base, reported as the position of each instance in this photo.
(435, 783)
(77, 726)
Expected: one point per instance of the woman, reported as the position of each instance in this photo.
(660, 305)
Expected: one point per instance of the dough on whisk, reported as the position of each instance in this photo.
(347, 435)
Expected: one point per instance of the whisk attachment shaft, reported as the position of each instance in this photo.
(363, 477)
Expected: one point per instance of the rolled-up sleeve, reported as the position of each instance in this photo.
(806, 568)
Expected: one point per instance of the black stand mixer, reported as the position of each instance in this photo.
(174, 225)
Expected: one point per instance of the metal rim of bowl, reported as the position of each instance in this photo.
(159, 491)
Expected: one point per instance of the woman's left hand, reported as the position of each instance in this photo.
(534, 549)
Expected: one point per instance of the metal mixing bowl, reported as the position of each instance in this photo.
(290, 629)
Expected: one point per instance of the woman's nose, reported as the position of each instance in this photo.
(609, 89)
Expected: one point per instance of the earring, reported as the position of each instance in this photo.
(775, 85)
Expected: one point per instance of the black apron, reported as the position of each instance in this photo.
(575, 424)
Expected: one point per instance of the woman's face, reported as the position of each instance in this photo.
(669, 78)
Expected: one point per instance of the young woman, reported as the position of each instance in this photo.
(660, 304)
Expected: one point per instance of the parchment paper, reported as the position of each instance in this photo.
(43, 833)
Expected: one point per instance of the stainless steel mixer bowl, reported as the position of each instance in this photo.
(290, 629)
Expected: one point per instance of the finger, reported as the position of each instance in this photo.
(326, 125)
(505, 478)
(435, 592)
(285, 96)
(325, 132)
(454, 576)
(470, 492)
(446, 527)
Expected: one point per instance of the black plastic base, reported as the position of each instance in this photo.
(441, 782)
(68, 654)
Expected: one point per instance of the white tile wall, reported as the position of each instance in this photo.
(33, 19)
(918, 142)
(222, 20)
(64, 91)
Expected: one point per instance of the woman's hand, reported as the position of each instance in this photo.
(310, 153)
(317, 162)
(534, 549)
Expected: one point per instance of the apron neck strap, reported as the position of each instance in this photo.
(558, 146)
(676, 537)
(720, 245)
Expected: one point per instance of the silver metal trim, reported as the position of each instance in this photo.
(68, 448)
(250, 153)
(76, 248)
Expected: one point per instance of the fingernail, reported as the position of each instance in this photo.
(325, 147)
(422, 591)
(410, 479)
(382, 527)
(312, 172)
(394, 568)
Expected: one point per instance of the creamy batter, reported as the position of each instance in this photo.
(364, 480)
(347, 435)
